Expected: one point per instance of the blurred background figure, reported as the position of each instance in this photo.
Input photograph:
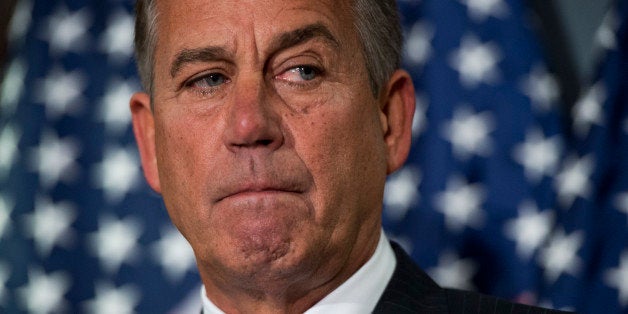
(516, 186)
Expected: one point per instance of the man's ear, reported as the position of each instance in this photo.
(398, 103)
(144, 129)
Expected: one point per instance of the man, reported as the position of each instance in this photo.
(269, 128)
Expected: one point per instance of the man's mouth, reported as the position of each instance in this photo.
(259, 190)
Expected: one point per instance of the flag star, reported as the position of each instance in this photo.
(5, 273)
(55, 159)
(9, 138)
(67, 31)
(174, 253)
(560, 255)
(574, 180)
(606, 34)
(618, 278)
(588, 109)
(44, 292)
(621, 203)
(115, 242)
(538, 155)
(118, 173)
(109, 299)
(6, 207)
(530, 229)
(117, 41)
(461, 204)
(61, 92)
(469, 132)
(605, 37)
(476, 62)
(114, 109)
(401, 193)
(454, 272)
(418, 48)
(542, 88)
(479, 10)
(419, 122)
(49, 225)
(12, 86)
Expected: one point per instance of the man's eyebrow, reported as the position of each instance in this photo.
(203, 54)
(301, 35)
(281, 42)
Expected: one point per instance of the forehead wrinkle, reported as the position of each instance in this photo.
(302, 35)
(202, 54)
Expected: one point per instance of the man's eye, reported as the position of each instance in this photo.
(300, 73)
(208, 81)
(306, 73)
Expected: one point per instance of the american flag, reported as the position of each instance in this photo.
(499, 195)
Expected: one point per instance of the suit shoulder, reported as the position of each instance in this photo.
(411, 290)
(460, 301)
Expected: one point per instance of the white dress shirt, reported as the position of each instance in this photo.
(358, 295)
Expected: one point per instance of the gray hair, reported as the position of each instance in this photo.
(145, 41)
(378, 26)
(376, 22)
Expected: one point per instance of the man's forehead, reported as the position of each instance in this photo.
(194, 22)
(331, 9)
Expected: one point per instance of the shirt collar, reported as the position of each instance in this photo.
(359, 294)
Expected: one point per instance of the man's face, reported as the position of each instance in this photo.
(269, 146)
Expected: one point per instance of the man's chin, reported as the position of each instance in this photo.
(264, 231)
(263, 263)
(262, 247)
(281, 248)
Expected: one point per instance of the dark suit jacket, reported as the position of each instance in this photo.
(411, 291)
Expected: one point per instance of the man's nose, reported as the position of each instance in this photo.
(252, 123)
